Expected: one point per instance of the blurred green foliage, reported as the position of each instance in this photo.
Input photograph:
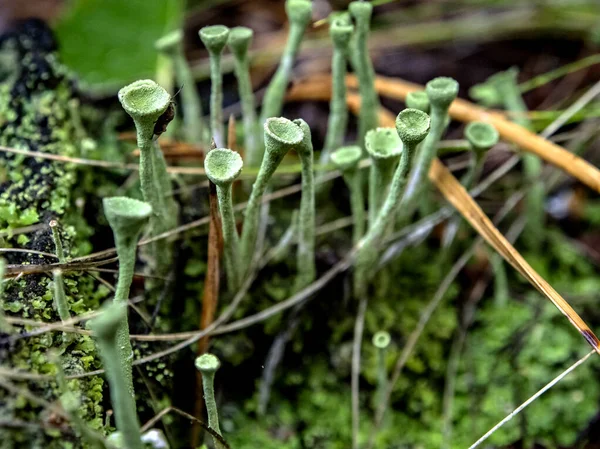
(109, 43)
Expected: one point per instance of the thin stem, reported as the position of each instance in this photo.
(106, 328)
(60, 299)
(516, 411)
(299, 14)
(231, 241)
(208, 364)
(273, 99)
(359, 326)
(338, 110)
(363, 67)
(192, 106)
(60, 253)
(305, 260)
(369, 247)
(239, 41)
(357, 204)
(216, 99)
(251, 214)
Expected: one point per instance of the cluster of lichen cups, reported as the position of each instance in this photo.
(395, 178)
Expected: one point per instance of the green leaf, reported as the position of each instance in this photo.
(109, 43)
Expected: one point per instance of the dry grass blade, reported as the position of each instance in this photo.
(318, 88)
(456, 195)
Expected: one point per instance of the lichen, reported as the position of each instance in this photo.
(34, 117)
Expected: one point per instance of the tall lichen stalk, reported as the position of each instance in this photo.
(107, 328)
(305, 260)
(346, 159)
(127, 217)
(222, 167)
(299, 14)
(361, 11)
(172, 46)
(148, 103)
(215, 38)
(441, 92)
(240, 39)
(280, 136)
(340, 32)
(412, 126)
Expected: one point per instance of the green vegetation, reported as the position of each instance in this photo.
(311, 273)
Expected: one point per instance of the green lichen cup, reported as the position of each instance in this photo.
(418, 100)
(145, 101)
(299, 11)
(126, 216)
(239, 41)
(346, 158)
(441, 91)
(281, 135)
(381, 339)
(383, 144)
(412, 126)
(214, 37)
(170, 43)
(481, 136)
(223, 166)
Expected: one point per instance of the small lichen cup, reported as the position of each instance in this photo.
(384, 148)
(280, 136)
(346, 160)
(223, 166)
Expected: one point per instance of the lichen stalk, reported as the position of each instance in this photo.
(412, 126)
(441, 92)
(305, 258)
(222, 167)
(239, 42)
(208, 365)
(58, 246)
(106, 328)
(346, 159)
(280, 136)
(340, 33)
(60, 299)
(508, 89)
(363, 67)
(171, 45)
(299, 14)
(381, 341)
(126, 217)
(384, 148)
(214, 38)
(146, 102)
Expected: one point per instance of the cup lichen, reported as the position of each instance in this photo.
(208, 364)
(384, 147)
(299, 13)
(222, 167)
(240, 39)
(106, 329)
(214, 38)
(280, 136)
(126, 217)
(305, 260)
